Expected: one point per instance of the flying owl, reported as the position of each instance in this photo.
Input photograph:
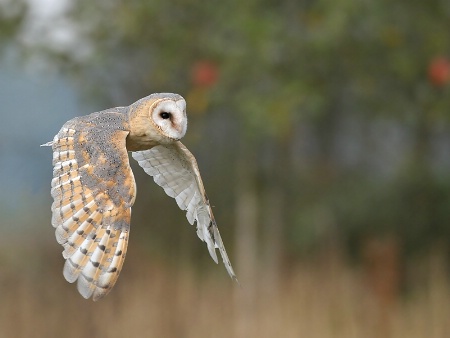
(93, 186)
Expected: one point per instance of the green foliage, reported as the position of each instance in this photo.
(12, 14)
(281, 66)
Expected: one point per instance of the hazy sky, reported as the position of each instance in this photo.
(48, 8)
(34, 105)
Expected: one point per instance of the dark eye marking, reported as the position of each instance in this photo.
(164, 115)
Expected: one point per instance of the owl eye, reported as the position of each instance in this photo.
(165, 115)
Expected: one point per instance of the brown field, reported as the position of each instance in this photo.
(319, 298)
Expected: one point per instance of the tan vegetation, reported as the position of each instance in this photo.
(323, 297)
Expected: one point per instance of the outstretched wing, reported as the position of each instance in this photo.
(93, 190)
(175, 169)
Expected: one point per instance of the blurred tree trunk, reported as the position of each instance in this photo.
(270, 272)
(274, 200)
(246, 246)
(273, 221)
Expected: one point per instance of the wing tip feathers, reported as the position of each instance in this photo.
(48, 144)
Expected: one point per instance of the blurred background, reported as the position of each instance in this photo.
(322, 131)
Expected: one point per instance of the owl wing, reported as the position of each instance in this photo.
(93, 190)
(175, 169)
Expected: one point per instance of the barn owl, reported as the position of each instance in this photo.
(93, 187)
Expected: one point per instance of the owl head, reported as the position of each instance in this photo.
(168, 113)
(155, 119)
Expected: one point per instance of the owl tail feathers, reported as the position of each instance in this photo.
(48, 144)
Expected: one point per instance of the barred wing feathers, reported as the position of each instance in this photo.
(93, 190)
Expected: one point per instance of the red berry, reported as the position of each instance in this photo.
(205, 73)
(439, 71)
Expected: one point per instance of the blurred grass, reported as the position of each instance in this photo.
(323, 297)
